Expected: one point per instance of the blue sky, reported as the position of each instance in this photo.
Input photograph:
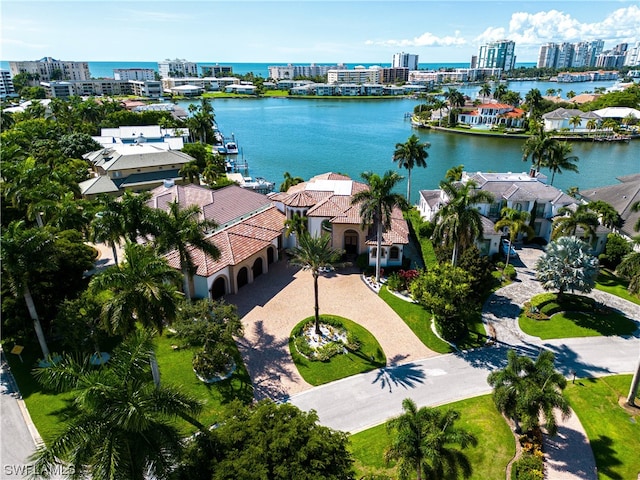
(302, 31)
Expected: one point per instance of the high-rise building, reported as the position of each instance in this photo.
(6, 85)
(498, 54)
(47, 69)
(134, 74)
(569, 55)
(177, 68)
(632, 58)
(405, 60)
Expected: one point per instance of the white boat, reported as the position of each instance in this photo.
(232, 148)
(259, 184)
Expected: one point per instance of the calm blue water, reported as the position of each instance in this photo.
(307, 137)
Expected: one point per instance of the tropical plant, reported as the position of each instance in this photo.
(533, 99)
(527, 390)
(454, 97)
(424, 441)
(629, 268)
(454, 174)
(517, 222)
(142, 287)
(567, 265)
(458, 223)
(439, 105)
(411, 154)
(314, 253)
(575, 121)
(609, 216)
(289, 182)
(499, 91)
(377, 204)
(569, 219)
(182, 230)
(295, 225)
(592, 124)
(123, 423)
(485, 91)
(558, 159)
(23, 251)
(190, 172)
(538, 147)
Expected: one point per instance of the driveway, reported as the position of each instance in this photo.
(272, 305)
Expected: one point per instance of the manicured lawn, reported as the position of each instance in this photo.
(608, 282)
(369, 357)
(176, 369)
(496, 444)
(417, 319)
(614, 433)
(579, 320)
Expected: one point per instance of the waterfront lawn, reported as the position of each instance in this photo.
(613, 431)
(369, 357)
(176, 369)
(496, 444)
(573, 316)
(608, 282)
(417, 319)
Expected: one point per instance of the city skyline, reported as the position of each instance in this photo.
(329, 31)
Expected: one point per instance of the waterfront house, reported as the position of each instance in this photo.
(559, 119)
(325, 200)
(166, 138)
(519, 191)
(494, 114)
(135, 166)
(248, 234)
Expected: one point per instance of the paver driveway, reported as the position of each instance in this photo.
(272, 305)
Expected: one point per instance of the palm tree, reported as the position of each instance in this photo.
(567, 265)
(458, 223)
(424, 440)
(608, 215)
(182, 230)
(289, 182)
(533, 99)
(537, 147)
(136, 216)
(568, 221)
(409, 155)
(23, 251)
(575, 121)
(558, 159)
(124, 425)
(439, 105)
(296, 225)
(454, 97)
(517, 221)
(454, 174)
(485, 91)
(191, 172)
(314, 253)
(592, 124)
(526, 390)
(143, 287)
(106, 227)
(377, 204)
(499, 91)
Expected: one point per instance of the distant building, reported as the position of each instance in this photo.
(500, 54)
(358, 75)
(614, 58)
(569, 55)
(165, 138)
(177, 68)
(216, 70)
(289, 72)
(405, 60)
(632, 57)
(6, 85)
(134, 74)
(102, 87)
(394, 75)
(48, 68)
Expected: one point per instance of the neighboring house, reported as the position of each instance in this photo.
(136, 167)
(559, 119)
(248, 234)
(326, 202)
(621, 197)
(514, 190)
(165, 138)
(494, 114)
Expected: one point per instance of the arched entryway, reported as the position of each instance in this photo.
(351, 242)
(243, 277)
(257, 268)
(219, 288)
(271, 255)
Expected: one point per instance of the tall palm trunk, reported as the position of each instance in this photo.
(379, 244)
(633, 391)
(454, 255)
(186, 283)
(409, 186)
(36, 322)
(317, 303)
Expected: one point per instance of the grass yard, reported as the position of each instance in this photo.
(369, 357)
(176, 369)
(614, 433)
(417, 319)
(496, 444)
(608, 282)
(573, 317)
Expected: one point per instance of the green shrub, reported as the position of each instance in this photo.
(394, 282)
(510, 272)
(425, 230)
(528, 467)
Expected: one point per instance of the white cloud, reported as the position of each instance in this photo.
(529, 29)
(427, 39)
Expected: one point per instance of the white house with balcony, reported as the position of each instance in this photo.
(560, 119)
(494, 114)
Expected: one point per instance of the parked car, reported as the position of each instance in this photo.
(507, 248)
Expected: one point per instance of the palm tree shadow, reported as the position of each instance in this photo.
(495, 357)
(569, 364)
(265, 359)
(606, 456)
(406, 376)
